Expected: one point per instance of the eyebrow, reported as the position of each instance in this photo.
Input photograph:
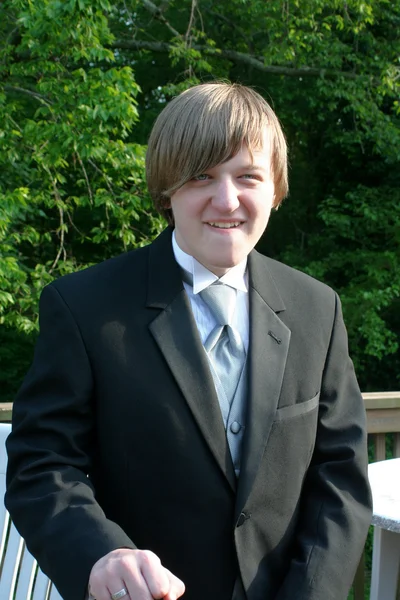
(252, 167)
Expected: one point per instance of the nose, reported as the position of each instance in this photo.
(226, 195)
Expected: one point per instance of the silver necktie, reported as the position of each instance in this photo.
(224, 346)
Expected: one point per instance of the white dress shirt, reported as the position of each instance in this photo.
(236, 277)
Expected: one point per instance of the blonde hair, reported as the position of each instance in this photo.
(205, 126)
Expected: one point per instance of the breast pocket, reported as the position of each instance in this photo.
(295, 410)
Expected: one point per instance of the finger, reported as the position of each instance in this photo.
(155, 575)
(176, 586)
(137, 589)
(116, 588)
(133, 580)
(105, 592)
(98, 591)
(110, 579)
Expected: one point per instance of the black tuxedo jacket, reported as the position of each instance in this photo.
(118, 438)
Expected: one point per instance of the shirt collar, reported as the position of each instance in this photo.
(236, 277)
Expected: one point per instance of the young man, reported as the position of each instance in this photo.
(192, 418)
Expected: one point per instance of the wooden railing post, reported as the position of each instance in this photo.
(5, 412)
(383, 416)
(396, 448)
(380, 446)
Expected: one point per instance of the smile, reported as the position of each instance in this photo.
(225, 225)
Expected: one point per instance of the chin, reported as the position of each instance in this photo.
(232, 261)
(223, 266)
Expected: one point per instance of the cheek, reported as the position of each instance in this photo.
(179, 212)
(186, 209)
(261, 211)
(260, 222)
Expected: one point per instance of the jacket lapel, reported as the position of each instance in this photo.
(175, 331)
(269, 345)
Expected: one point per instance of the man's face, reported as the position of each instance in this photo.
(220, 215)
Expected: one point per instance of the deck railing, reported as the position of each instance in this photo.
(383, 417)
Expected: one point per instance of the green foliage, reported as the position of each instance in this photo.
(15, 354)
(81, 82)
(72, 182)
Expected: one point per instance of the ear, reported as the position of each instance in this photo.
(170, 217)
(165, 202)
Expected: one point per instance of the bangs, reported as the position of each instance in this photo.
(216, 135)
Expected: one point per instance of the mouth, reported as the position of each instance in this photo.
(231, 225)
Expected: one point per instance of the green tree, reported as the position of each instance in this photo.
(81, 82)
(71, 183)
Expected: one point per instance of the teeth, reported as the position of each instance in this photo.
(225, 225)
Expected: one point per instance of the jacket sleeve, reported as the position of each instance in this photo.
(336, 503)
(50, 496)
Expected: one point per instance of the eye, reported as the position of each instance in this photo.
(201, 177)
(250, 176)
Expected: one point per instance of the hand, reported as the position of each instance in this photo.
(140, 572)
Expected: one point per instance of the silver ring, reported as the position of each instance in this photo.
(119, 594)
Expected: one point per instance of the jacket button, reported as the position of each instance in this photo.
(235, 427)
(242, 518)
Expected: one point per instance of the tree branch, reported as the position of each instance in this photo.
(234, 56)
(190, 24)
(106, 178)
(162, 7)
(20, 90)
(157, 14)
(86, 178)
(73, 225)
(61, 249)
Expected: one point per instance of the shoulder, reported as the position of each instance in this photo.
(299, 293)
(106, 272)
(290, 278)
(286, 278)
(130, 266)
(100, 286)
